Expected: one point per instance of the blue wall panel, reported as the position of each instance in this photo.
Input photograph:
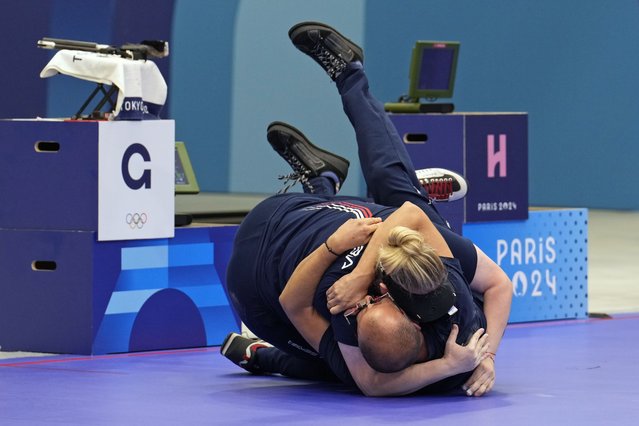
(559, 61)
(201, 67)
(110, 22)
(24, 94)
(139, 20)
(272, 81)
(74, 20)
(232, 71)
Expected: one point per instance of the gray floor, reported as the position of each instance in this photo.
(613, 262)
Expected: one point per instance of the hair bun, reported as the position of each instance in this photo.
(405, 239)
(413, 263)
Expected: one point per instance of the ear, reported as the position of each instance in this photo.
(416, 325)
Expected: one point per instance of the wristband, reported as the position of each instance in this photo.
(330, 250)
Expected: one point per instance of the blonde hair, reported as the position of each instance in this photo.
(411, 262)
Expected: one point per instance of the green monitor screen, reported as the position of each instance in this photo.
(432, 70)
(185, 182)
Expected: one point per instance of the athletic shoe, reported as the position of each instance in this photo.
(442, 184)
(241, 351)
(306, 160)
(326, 46)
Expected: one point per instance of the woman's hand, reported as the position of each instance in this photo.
(353, 233)
(465, 358)
(482, 379)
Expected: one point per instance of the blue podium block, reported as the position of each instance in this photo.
(48, 175)
(546, 258)
(66, 292)
(489, 149)
(88, 176)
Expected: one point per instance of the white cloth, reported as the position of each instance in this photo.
(141, 87)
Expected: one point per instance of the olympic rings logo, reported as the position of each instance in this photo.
(136, 220)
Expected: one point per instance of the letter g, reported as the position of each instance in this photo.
(145, 179)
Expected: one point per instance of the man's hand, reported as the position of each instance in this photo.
(353, 233)
(465, 358)
(482, 380)
(350, 288)
(347, 291)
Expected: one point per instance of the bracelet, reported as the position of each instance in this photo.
(330, 250)
(491, 355)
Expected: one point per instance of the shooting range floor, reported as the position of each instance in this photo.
(575, 372)
(564, 372)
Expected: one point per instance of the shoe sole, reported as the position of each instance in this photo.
(306, 26)
(227, 342)
(279, 126)
(463, 185)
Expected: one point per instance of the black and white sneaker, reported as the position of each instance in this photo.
(306, 160)
(442, 184)
(240, 351)
(326, 46)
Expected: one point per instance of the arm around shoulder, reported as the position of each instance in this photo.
(457, 359)
(497, 289)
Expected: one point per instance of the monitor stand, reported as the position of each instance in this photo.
(418, 108)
